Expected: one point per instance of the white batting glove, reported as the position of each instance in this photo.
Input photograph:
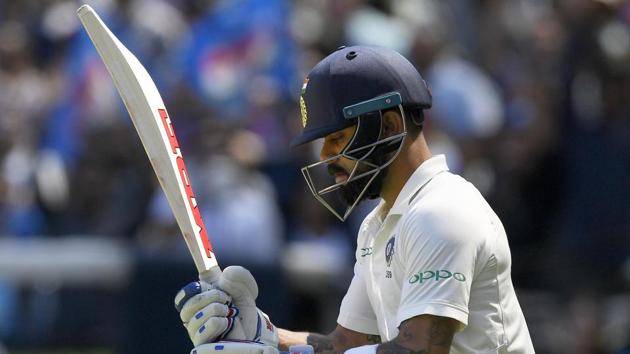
(207, 313)
(226, 347)
(241, 285)
(210, 314)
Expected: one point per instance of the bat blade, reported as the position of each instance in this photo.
(152, 122)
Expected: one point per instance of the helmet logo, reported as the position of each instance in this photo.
(303, 111)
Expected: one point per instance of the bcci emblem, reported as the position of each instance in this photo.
(303, 104)
(303, 112)
(389, 251)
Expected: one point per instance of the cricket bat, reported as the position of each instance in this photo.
(152, 122)
(154, 126)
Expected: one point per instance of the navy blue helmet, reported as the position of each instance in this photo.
(352, 75)
(354, 86)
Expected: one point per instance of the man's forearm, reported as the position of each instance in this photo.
(320, 342)
(325, 344)
(334, 343)
(289, 338)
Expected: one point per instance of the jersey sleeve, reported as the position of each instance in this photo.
(356, 311)
(439, 249)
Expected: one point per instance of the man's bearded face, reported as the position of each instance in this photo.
(352, 190)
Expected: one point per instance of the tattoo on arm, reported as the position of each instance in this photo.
(321, 344)
(373, 339)
(439, 335)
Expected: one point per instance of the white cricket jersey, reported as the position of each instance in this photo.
(441, 250)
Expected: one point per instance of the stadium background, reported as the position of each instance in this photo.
(532, 105)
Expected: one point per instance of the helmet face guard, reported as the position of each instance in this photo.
(370, 152)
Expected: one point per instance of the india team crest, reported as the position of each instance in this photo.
(389, 250)
(303, 111)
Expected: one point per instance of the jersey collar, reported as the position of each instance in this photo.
(423, 174)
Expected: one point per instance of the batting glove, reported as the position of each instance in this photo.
(226, 311)
(225, 347)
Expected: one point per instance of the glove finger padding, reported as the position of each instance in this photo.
(206, 312)
(210, 331)
(199, 323)
(188, 291)
(194, 304)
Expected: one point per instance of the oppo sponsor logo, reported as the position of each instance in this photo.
(436, 275)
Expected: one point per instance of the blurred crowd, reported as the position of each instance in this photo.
(531, 104)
